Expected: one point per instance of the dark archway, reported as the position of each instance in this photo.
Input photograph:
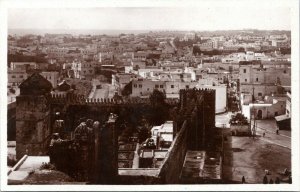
(259, 114)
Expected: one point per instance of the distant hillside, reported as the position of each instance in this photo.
(117, 32)
(72, 31)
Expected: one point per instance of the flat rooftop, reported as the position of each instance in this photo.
(201, 165)
(30, 163)
(139, 172)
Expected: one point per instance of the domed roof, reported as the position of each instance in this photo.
(35, 84)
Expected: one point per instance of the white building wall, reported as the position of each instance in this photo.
(246, 111)
(259, 90)
(22, 65)
(15, 77)
(267, 110)
(143, 87)
(245, 74)
(171, 88)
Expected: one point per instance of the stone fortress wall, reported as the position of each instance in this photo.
(35, 117)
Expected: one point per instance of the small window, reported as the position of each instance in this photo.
(156, 86)
(13, 76)
(135, 85)
(256, 79)
(161, 86)
(284, 71)
(259, 94)
(245, 70)
(140, 86)
(187, 87)
(21, 76)
(172, 86)
(245, 80)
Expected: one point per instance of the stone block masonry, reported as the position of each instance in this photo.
(32, 130)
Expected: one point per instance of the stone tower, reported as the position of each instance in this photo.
(32, 116)
(107, 153)
(199, 107)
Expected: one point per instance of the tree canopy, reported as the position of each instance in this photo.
(157, 98)
(239, 119)
(159, 106)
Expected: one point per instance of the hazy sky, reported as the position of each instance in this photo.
(173, 18)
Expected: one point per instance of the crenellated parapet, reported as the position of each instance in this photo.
(196, 95)
(73, 99)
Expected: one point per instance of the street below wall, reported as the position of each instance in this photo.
(252, 157)
(106, 91)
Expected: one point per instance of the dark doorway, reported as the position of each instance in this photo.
(259, 114)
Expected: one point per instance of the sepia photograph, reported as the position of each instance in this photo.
(150, 95)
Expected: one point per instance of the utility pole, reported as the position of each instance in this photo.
(223, 137)
(223, 153)
(253, 99)
(253, 113)
(250, 127)
(254, 127)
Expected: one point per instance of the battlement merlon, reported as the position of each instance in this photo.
(64, 98)
(73, 99)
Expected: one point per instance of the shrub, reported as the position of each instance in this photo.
(239, 119)
(11, 162)
(12, 90)
(48, 166)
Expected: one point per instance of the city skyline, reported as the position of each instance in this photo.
(195, 94)
(150, 18)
